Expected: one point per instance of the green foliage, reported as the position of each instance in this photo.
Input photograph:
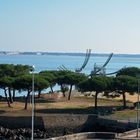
(126, 83)
(6, 70)
(70, 78)
(6, 81)
(40, 82)
(49, 76)
(24, 82)
(22, 69)
(96, 83)
(53, 73)
(14, 70)
(130, 71)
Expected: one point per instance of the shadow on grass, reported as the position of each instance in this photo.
(37, 100)
(44, 100)
(2, 111)
(102, 110)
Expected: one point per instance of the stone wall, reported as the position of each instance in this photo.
(56, 125)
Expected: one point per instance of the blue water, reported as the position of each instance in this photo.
(52, 62)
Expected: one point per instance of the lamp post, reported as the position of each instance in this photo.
(137, 135)
(32, 137)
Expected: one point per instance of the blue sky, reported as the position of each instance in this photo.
(70, 25)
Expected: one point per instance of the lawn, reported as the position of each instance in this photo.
(55, 103)
(126, 114)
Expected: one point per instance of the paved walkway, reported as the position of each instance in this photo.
(131, 134)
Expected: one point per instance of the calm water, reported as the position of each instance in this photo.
(52, 62)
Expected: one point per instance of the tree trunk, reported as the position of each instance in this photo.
(26, 100)
(96, 95)
(7, 98)
(70, 92)
(124, 100)
(10, 95)
(39, 93)
(51, 89)
(64, 95)
(13, 94)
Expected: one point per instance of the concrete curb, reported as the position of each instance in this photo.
(87, 135)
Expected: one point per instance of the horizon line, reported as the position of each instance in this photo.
(62, 52)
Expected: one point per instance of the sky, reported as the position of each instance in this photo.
(104, 26)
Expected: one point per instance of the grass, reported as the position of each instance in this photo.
(79, 104)
(126, 114)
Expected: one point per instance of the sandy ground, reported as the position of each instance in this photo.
(56, 101)
(131, 98)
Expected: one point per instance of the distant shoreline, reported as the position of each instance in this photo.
(65, 54)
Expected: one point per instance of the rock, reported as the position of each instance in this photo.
(20, 134)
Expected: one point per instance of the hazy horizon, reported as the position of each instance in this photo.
(102, 53)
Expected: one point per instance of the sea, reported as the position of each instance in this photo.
(71, 62)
